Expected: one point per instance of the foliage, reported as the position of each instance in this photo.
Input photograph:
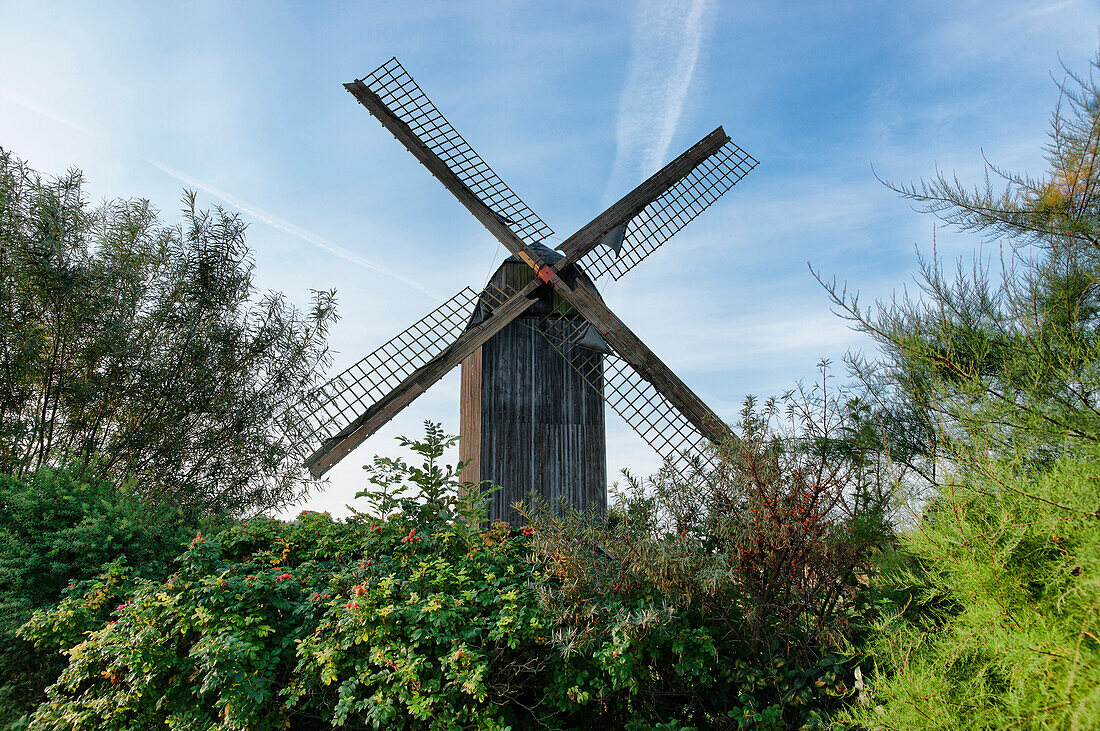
(432, 492)
(58, 527)
(758, 562)
(144, 348)
(1008, 366)
(992, 595)
(411, 620)
(996, 597)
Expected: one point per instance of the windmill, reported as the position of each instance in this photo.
(540, 351)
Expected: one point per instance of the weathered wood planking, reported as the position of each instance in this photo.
(530, 422)
(333, 450)
(469, 416)
(541, 424)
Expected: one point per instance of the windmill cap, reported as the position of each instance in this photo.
(548, 255)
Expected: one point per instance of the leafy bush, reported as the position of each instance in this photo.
(406, 620)
(757, 562)
(58, 527)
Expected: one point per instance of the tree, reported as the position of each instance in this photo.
(146, 348)
(991, 598)
(1007, 364)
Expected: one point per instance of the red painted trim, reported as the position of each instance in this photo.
(546, 273)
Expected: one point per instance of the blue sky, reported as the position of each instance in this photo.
(573, 103)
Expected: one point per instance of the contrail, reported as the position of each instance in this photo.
(247, 208)
(275, 222)
(665, 47)
(41, 111)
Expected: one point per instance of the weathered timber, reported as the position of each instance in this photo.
(539, 424)
(469, 414)
(485, 215)
(334, 449)
(648, 365)
(587, 302)
(530, 421)
(588, 236)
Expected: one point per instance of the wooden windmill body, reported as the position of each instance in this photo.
(529, 421)
(540, 351)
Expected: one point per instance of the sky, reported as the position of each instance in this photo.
(573, 104)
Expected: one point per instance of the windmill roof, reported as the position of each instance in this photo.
(548, 255)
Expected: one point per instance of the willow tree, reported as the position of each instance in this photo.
(146, 348)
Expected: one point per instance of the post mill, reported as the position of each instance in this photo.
(539, 350)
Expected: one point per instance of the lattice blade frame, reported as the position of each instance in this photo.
(355, 390)
(674, 209)
(398, 91)
(652, 416)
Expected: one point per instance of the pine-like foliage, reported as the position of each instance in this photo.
(995, 598)
(1010, 361)
(988, 387)
(146, 348)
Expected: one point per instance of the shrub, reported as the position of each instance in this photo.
(993, 621)
(411, 619)
(751, 571)
(58, 527)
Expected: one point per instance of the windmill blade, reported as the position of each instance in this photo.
(391, 94)
(609, 227)
(438, 343)
(675, 208)
(352, 392)
(652, 416)
(584, 299)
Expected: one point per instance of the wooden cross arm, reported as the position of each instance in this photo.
(585, 301)
(589, 236)
(443, 173)
(374, 418)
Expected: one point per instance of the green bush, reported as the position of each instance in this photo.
(146, 347)
(414, 618)
(58, 527)
(759, 562)
(994, 606)
(387, 625)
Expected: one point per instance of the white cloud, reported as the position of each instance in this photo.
(665, 48)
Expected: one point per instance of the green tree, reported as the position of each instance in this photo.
(146, 348)
(987, 387)
(1009, 363)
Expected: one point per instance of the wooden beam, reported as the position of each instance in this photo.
(630, 347)
(443, 173)
(336, 448)
(631, 204)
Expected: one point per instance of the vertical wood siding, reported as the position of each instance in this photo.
(529, 421)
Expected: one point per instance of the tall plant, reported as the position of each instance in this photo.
(1004, 362)
(995, 600)
(146, 348)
